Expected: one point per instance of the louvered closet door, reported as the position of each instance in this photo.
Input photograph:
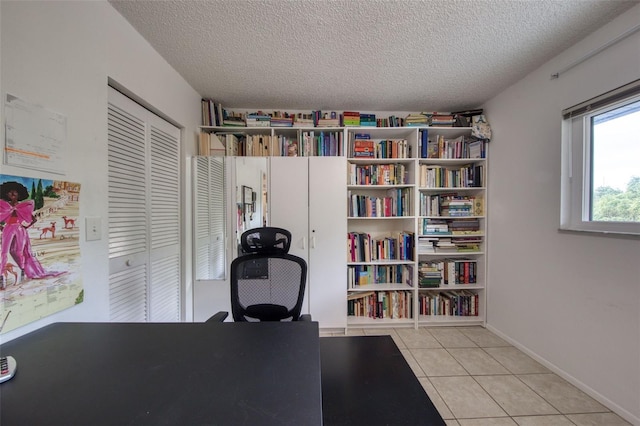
(144, 214)
(209, 190)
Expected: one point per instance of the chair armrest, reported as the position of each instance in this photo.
(305, 317)
(218, 317)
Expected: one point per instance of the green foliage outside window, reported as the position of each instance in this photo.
(614, 205)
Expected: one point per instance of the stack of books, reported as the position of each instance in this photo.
(429, 274)
(326, 119)
(351, 119)
(363, 146)
(328, 122)
(232, 118)
(426, 245)
(457, 207)
(467, 244)
(465, 227)
(258, 119)
(368, 120)
(442, 119)
(280, 119)
(417, 119)
(434, 227)
(303, 120)
(281, 122)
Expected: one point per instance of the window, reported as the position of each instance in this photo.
(601, 163)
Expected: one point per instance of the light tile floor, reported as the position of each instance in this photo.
(475, 378)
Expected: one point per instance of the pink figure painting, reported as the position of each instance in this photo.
(16, 216)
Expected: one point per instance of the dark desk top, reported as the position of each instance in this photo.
(164, 374)
(367, 381)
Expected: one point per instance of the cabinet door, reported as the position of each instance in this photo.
(327, 241)
(289, 204)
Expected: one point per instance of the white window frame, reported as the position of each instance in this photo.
(576, 162)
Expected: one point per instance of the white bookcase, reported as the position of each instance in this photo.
(414, 288)
(426, 217)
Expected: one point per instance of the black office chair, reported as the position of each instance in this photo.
(267, 283)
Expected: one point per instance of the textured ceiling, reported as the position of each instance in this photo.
(375, 55)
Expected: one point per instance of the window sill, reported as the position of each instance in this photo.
(606, 234)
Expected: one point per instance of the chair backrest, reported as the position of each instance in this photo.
(267, 283)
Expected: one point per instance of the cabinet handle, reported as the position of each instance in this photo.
(313, 242)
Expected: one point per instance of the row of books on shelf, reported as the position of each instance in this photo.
(441, 227)
(322, 143)
(462, 303)
(380, 304)
(438, 146)
(433, 274)
(467, 176)
(246, 145)
(362, 247)
(311, 143)
(314, 144)
(451, 205)
(213, 114)
(230, 144)
(362, 146)
(378, 174)
(436, 244)
(397, 203)
(362, 275)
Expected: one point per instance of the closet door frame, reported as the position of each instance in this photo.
(145, 226)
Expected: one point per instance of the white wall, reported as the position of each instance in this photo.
(573, 300)
(60, 55)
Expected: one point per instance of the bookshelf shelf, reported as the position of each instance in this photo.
(354, 321)
(380, 287)
(453, 287)
(452, 188)
(449, 254)
(383, 262)
(442, 320)
(381, 160)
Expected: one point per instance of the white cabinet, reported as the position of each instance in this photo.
(308, 198)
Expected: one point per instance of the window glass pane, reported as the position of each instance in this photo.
(615, 173)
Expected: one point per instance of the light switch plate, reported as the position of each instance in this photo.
(93, 228)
